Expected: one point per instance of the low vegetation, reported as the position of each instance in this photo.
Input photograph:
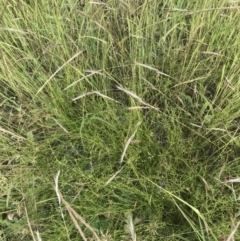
(119, 120)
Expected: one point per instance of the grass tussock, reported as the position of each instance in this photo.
(119, 120)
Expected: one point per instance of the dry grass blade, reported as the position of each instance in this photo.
(29, 225)
(78, 217)
(130, 225)
(217, 129)
(56, 187)
(132, 94)
(65, 130)
(51, 77)
(151, 68)
(94, 92)
(77, 226)
(137, 98)
(189, 81)
(38, 236)
(212, 53)
(137, 108)
(233, 180)
(85, 77)
(73, 214)
(123, 154)
(231, 236)
(111, 178)
(128, 142)
(192, 124)
(11, 133)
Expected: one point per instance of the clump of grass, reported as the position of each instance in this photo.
(136, 104)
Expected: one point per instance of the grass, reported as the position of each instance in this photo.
(119, 120)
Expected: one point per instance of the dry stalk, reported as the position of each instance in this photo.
(11, 133)
(29, 225)
(52, 76)
(137, 98)
(112, 177)
(73, 214)
(231, 236)
(91, 93)
(128, 142)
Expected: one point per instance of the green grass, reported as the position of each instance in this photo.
(119, 120)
